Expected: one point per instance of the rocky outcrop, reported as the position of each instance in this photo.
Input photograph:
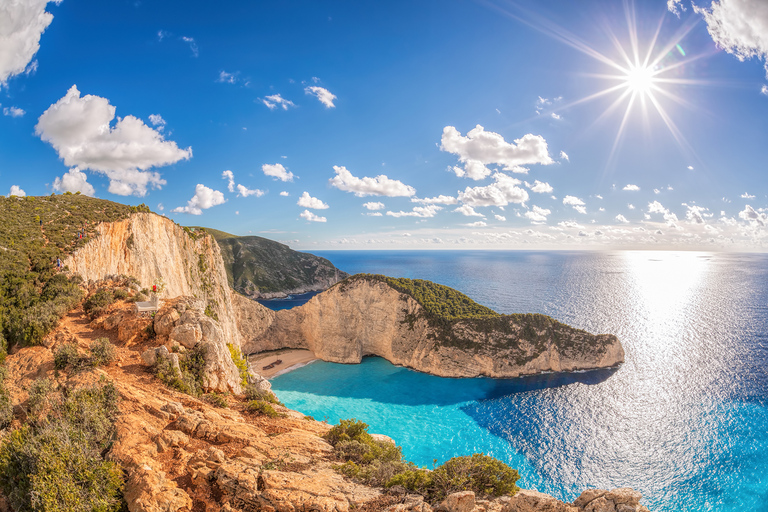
(151, 248)
(252, 320)
(368, 317)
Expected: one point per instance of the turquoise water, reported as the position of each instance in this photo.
(684, 420)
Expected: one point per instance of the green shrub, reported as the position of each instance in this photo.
(6, 407)
(120, 294)
(96, 303)
(188, 377)
(216, 399)
(55, 464)
(64, 356)
(240, 363)
(103, 352)
(261, 407)
(252, 392)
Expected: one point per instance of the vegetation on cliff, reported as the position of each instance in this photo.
(257, 266)
(439, 301)
(380, 463)
(36, 231)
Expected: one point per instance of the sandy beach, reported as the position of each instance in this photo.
(289, 358)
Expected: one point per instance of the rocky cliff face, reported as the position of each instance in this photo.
(150, 247)
(363, 318)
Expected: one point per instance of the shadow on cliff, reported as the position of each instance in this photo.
(378, 380)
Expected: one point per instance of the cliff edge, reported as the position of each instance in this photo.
(433, 329)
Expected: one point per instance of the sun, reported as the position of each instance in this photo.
(640, 79)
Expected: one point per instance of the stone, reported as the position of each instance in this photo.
(165, 321)
(459, 502)
(533, 501)
(150, 355)
(187, 335)
(220, 373)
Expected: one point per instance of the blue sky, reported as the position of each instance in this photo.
(413, 124)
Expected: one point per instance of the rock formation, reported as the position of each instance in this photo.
(363, 317)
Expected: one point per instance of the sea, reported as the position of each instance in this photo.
(684, 420)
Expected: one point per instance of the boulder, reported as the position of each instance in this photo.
(533, 501)
(165, 321)
(150, 355)
(458, 502)
(187, 335)
(220, 372)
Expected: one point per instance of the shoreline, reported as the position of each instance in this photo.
(291, 360)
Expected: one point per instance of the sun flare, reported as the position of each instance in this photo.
(640, 79)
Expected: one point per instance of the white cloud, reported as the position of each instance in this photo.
(373, 205)
(473, 169)
(555, 116)
(631, 188)
(747, 195)
(675, 6)
(418, 211)
(598, 196)
(480, 148)
(16, 191)
(468, 211)
(631, 206)
(275, 100)
(324, 95)
(576, 203)
(203, 199)
(160, 206)
(22, 23)
(696, 214)
(657, 207)
(537, 214)
(308, 201)
(622, 219)
(656, 191)
(13, 112)
(478, 224)
(227, 78)
(690, 168)
(764, 90)
(157, 120)
(500, 193)
(366, 186)
(73, 181)
(740, 27)
(277, 171)
(79, 129)
(441, 199)
(500, 217)
(373, 214)
(284, 193)
(311, 217)
(749, 214)
(243, 191)
(564, 156)
(540, 187)
(569, 224)
(230, 177)
(192, 45)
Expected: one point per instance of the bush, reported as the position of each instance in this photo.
(216, 399)
(254, 393)
(64, 356)
(102, 352)
(188, 377)
(240, 362)
(484, 475)
(56, 464)
(120, 294)
(261, 407)
(6, 407)
(97, 302)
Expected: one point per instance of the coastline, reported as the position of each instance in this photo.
(291, 360)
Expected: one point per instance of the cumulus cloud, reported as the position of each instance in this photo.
(157, 120)
(622, 219)
(576, 203)
(537, 214)
(500, 193)
(79, 130)
(740, 27)
(284, 193)
(480, 148)
(500, 217)
(468, 211)
(16, 191)
(690, 168)
(227, 78)
(754, 217)
(540, 187)
(764, 90)
(311, 217)
(308, 201)
(675, 6)
(696, 214)
(418, 211)
(747, 195)
(441, 199)
(324, 95)
(631, 188)
(73, 181)
(478, 224)
(203, 199)
(366, 186)
(22, 23)
(657, 207)
(275, 100)
(243, 191)
(473, 169)
(373, 205)
(555, 116)
(13, 112)
(564, 156)
(277, 171)
(230, 177)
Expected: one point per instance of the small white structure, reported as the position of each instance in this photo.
(149, 306)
